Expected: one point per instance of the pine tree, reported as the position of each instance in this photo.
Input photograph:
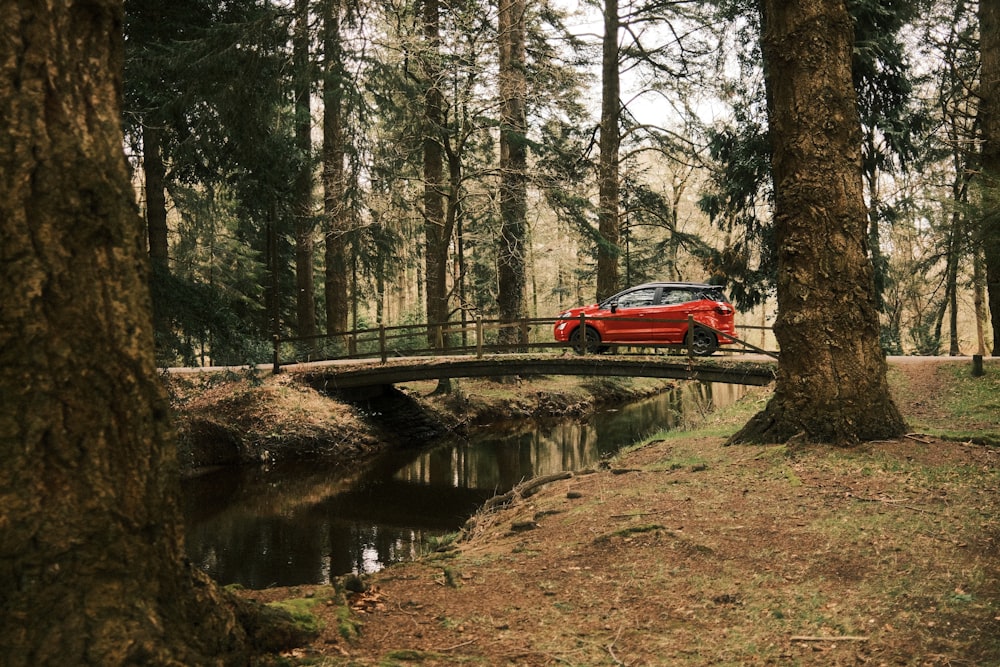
(989, 112)
(831, 385)
(513, 236)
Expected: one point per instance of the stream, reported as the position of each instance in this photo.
(306, 523)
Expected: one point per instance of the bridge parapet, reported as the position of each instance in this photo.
(476, 338)
(335, 376)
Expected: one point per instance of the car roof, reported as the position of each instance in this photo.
(673, 284)
(664, 284)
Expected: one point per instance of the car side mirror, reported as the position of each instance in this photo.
(614, 307)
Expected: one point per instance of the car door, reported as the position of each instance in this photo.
(675, 303)
(630, 321)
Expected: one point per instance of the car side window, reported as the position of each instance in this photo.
(639, 298)
(676, 296)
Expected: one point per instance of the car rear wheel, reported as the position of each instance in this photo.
(593, 341)
(703, 343)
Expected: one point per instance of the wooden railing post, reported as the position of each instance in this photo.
(276, 342)
(479, 336)
(381, 342)
(690, 337)
(438, 338)
(583, 334)
(352, 344)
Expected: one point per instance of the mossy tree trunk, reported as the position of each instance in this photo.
(831, 385)
(92, 567)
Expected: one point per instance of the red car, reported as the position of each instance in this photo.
(652, 314)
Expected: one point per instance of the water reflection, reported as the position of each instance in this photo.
(304, 524)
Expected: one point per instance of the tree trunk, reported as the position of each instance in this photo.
(608, 249)
(435, 237)
(456, 219)
(989, 116)
(92, 564)
(305, 293)
(951, 286)
(831, 385)
(335, 208)
(155, 175)
(979, 301)
(513, 169)
(880, 265)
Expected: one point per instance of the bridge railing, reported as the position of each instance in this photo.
(477, 336)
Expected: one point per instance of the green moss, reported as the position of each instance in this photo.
(451, 577)
(347, 627)
(400, 656)
(300, 609)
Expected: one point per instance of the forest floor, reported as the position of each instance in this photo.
(683, 551)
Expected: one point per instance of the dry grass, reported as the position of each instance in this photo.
(237, 419)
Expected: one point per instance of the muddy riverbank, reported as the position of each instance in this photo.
(243, 418)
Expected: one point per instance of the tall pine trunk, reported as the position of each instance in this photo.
(511, 256)
(92, 563)
(154, 173)
(155, 176)
(608, 250)
(831, 385)
(305, 294)
(989, 116)
(435, 236)
(335, 209)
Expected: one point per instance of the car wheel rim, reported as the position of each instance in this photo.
(590, 339)
(702, 342)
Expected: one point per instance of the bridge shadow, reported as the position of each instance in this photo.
(393, 415)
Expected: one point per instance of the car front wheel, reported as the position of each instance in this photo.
(593, 341)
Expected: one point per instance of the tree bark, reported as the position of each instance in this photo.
(979, 300)
(511, 256)
(92, 563)
(436, 237)
(989, 116)
(608, 250)
(305, 291)
(831, 385)
(155, 176)
(335, 208)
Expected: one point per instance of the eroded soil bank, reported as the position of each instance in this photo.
(235, 419)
